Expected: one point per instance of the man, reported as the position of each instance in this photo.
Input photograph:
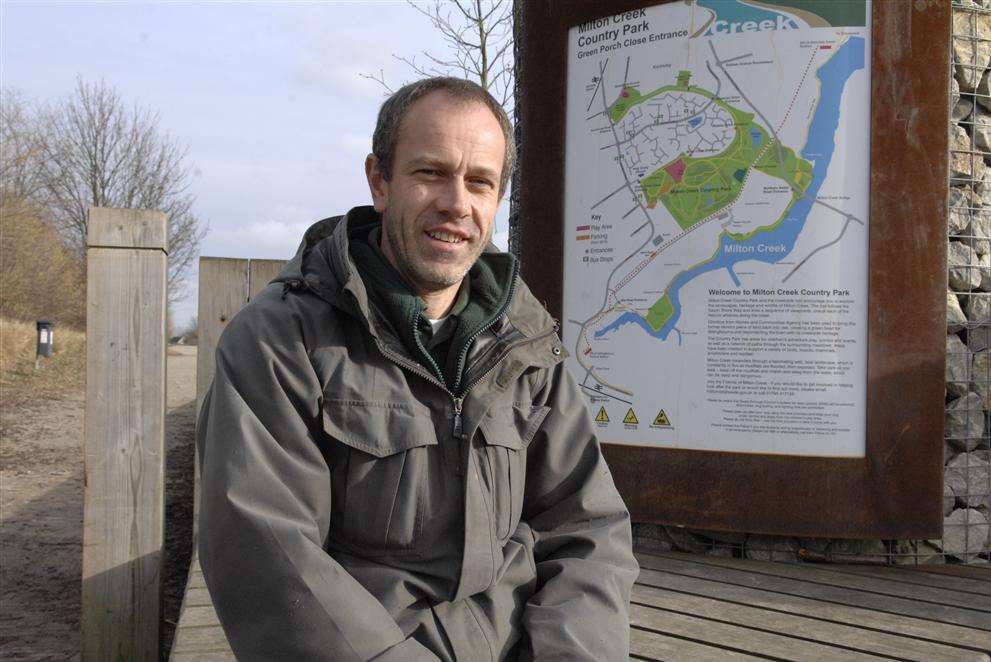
(395, 463)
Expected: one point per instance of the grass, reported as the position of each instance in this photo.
(66, 370)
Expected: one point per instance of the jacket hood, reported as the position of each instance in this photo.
(323, 262)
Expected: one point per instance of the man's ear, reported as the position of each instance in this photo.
(377, 183)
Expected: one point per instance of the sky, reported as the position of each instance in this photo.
(266, 96)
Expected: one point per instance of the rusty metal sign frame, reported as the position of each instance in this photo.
(895, 491)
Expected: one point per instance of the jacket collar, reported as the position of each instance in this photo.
(323, 262)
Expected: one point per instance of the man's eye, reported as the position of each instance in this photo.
(429, 172)
(482, 183)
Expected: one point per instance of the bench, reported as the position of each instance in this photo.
(688, 606)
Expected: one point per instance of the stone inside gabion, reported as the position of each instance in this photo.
(967, 479)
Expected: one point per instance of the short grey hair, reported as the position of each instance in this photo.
(395, 108)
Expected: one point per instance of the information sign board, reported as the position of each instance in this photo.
(717, 160)
(737, 209)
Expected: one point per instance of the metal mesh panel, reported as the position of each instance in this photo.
(514, 194)
(967, 480)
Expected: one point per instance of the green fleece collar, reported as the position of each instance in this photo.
(493, 281)
(491, 284)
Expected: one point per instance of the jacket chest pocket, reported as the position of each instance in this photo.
(506, 433)
(380, 473)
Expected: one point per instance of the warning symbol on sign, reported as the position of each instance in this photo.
(662, 419)
(631, 418)
(602, 416)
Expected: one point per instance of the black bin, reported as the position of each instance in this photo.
(46, 337)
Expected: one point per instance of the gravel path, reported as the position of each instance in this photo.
(41, 514)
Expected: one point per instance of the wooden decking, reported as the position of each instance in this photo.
(689, 607)
(702, 608)
(198, 635)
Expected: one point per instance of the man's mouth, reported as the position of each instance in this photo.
(444, 236)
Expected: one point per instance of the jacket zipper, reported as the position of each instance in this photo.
(416, 369)
(509, 347)
(459, 432)
(498, 314)
(457, 424)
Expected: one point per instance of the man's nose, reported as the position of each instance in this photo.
(454, 199)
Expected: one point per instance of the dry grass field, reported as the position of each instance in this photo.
(21, 378)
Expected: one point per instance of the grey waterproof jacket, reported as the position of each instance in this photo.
(354, 509)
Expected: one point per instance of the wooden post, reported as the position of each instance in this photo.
(123, 521)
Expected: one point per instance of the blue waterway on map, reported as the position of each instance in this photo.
(818, 148)
(694, 122)
(755, 137)
(735, 11)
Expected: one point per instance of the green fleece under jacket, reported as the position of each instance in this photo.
(491, 281)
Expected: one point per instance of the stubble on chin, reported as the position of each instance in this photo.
(419, 274)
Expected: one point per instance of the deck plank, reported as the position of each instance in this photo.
(204, 656)
(196, 576)
(701, 567)
(901, 574)
(981, 573)
(198, 635)
(821, 574)
(734, 637)
(805, 627)
(200, 639)
(647, 645)
(197, 597)
(828, 611)
(199, 616)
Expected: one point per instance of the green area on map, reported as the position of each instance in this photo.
(693, 189)
(659, 313)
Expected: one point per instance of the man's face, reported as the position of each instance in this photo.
(439, 207)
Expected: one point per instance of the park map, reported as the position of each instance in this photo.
(717, 168)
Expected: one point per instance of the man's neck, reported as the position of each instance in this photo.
(439, 303)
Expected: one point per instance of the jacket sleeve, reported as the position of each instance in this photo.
(265, 508)
(582, 538)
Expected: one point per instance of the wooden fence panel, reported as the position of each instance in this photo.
(223, 290)
(123, 520)
(226, 284)
(260, 273)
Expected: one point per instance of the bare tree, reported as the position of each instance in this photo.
(97, 152)
(21, 151)
(479, 39)
(189, 332)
